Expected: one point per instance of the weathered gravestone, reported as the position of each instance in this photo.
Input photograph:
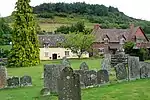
(66, 62)
(13, 82)
(90, 78)
(44, 92)
(133, 67)
(84, 66)
(106, 63)
(121, 71)
(3, 77)
(81, 74)
(144, 70)
(102, 77)
(69, 85)
(119, 58)
(51, 75)
(26, 81)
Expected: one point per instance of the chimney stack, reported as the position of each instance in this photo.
(97, 26)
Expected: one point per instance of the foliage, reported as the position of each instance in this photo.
(25, 45)
(79, 26)
(78, 42)
(46, 15)
(142, 53)
(5, 32)
(128, 47)
(108, 17)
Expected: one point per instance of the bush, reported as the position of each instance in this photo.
(61, 14)
(46, 15)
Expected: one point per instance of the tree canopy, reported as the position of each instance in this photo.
(25, 45)
(5, 32)
(78, 42)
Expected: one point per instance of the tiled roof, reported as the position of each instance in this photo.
(51, 40)
(113, 34)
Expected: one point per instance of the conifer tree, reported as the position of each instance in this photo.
(25, 45)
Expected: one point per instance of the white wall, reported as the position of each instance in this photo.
(60, 53)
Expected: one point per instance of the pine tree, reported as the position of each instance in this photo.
(25, 45)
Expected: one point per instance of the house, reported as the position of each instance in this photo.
(50, 48)
(110, 40)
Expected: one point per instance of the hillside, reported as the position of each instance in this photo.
(57, 14)
(50, 16)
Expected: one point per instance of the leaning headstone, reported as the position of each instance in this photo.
(44, 92)
(3, 77)
(66, 62)
(82, 77)
(51, 75)
(13, 82)
(134, 67)
(102, 77)
(69, 85)
(106, 63)
(26, 81)
(121, 71)
(84, 66)
(90, 78)
(145, 70)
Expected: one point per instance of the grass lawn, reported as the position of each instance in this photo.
(135, 90)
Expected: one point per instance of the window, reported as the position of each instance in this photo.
(101, 50)
(46, 54)
(106, 40)
(66, 53)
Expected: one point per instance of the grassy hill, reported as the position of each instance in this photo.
(51, 25)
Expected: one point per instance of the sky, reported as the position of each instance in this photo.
(133, 8)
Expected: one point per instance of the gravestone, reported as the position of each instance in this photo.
(3, 77)
(13, 82)
(26, 81)
(44, 92)
(81, 74)
(119, 58)
(51, 74)
(102, 77)
(106, 63)
(133, 67)
(121, 71)
(84, 66)
(69, 85)
(66, 62)
(144, 70)
(90, 78)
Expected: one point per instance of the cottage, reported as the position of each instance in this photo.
(110, 40)
(50, 48)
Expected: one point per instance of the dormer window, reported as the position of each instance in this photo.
(122, 41)
(106, 40)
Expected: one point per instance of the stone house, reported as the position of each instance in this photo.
(110, 40)
(50, 48)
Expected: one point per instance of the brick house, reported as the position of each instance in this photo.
(110, 40)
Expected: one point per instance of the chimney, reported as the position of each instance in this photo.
(97, 26)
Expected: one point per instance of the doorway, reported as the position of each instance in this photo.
(54, 56)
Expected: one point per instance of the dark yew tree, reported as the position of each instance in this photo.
(25, 45)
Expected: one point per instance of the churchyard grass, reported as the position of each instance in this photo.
(134, 90)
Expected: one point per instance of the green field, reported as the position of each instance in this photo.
(135, 90)
(51, 25)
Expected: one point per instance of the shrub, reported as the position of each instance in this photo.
(46, 15)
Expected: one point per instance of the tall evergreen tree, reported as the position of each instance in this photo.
(25, 45)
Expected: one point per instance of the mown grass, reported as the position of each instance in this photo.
(30, 93)
(134, 90)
